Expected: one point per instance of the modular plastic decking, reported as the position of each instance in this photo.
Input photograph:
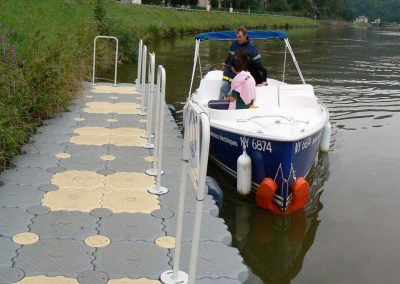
(74, 208)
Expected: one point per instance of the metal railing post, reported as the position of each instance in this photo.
(143, 82)
(156, 171)
(150, 107)
(205, 145)
(199, 179)
(139, 70)
(116, 58)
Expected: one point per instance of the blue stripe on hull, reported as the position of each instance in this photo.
(266, 156)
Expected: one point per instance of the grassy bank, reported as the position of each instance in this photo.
(46, 48)
(150, 22)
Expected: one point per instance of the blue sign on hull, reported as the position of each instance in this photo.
(281, 161)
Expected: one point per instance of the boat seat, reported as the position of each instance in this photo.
(266, 97)
(297, 96)
(210, 86)
(217, 104)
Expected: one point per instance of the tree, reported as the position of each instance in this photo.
(214, 4)
(279, 5)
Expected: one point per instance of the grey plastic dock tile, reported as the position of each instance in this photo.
(90, 163)
(128, 123)
(55, 257)
(170, 200)
(26, 176)
(8, 250)
(137, 165)
(92, 277)
(65, 225)
(94, 123)
(35, 160)
(49, 148)
(132, 259)
(132, 227)
(128, 153)
(10, 275)
(13, 221)
(215, 260)
(212, 228)
(87, 150)
(38, 210)
(21, 196)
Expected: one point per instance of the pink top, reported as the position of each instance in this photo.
(245, 85)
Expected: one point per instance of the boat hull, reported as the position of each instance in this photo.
(280, 160)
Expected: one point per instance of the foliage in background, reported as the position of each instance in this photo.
(387, 10)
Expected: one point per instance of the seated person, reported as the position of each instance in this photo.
(243, 87)
(255, 66)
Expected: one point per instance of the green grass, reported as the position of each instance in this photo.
(54, 47)
(154, 22)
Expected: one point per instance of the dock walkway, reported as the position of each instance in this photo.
(75, 207)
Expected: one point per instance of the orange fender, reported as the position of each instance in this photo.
(301, 192)
(265, 193)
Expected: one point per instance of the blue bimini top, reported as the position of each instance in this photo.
(231, 35)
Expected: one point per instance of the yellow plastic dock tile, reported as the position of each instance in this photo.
(25, 238)
(133, 281)
(127, 131)
(72, 199)
(62, 156)
(97, 140)
(78, 179)
(126, 108)
(97, 241)
(41, 279)
(107, 158)
(98, 107)
(112, 120)
(115, 90)
(165, 242)
(93, 131)
(105, 107)
(131, 181)
(127, 141)
(149, 159)
(131, 201)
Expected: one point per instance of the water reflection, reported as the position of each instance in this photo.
(274, 246)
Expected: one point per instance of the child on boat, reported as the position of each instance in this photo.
(243, 87)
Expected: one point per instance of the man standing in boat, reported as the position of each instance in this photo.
(254, 65)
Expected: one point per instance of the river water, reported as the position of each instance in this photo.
(350, 229)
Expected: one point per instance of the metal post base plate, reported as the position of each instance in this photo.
(146, 136)
(148, 146)
(158, 190)
(152, 172)
(167, 277)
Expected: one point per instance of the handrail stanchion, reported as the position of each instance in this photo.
(205, 145)
(197, 160)
(156, 171)
(143, 83)
(139, 70)
(116, 58)
(150, 94)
